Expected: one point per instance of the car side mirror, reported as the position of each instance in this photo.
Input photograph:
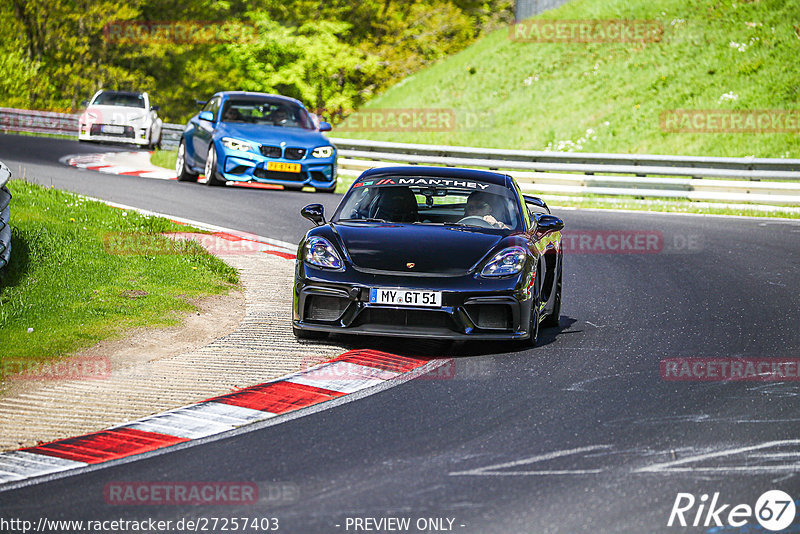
(548, 223)
(314, 213)
(325, 126)
(536, 201)
(206, 116)
(155, 108)
(84, 103)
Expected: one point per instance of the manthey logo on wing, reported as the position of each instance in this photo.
(428, 182)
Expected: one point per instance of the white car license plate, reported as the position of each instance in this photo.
(405, 297)
(112, 129)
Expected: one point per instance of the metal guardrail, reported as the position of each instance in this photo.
(641, 164)
(5, 216)
(754, 180)
(171, 134)
(716, 179)
(49, 122)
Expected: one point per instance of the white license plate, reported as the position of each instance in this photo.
(405, 297)
(112, 129)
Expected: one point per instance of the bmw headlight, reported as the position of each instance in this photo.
(237, 144)
(508, 261)
(322, 152)
(319, 252)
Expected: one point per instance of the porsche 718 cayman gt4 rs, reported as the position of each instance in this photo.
(430, 252)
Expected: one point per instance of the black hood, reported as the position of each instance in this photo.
(432, 249)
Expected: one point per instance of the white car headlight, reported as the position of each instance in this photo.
(322, 152)
(237, 144)
(318, 251)
(508, 261)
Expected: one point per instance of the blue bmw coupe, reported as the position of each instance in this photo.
(257, 137)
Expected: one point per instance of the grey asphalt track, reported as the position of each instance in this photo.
(580, 434)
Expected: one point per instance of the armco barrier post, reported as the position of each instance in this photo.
(5, 216)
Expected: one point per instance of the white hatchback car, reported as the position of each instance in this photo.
(121, 116)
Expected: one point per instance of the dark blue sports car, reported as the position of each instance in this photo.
(430, 252)
(257, 137)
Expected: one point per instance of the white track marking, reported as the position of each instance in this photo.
(19, 465)
(679, 466)
(199, 420)
(492, 470)
(340, 376)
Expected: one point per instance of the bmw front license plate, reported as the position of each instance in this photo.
(109, 129)
(405, 297)
(283, 167)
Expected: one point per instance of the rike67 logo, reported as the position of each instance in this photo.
(774, 510)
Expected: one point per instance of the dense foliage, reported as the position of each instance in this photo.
(332, 54)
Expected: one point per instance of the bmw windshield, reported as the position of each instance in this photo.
(266, 112)
(130, 100)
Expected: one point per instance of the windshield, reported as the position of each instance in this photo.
(271, 113)
(130, 100)
(430, 200)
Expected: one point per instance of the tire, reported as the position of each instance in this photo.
(155, 144)
(212, 176)
(533, 327)
(308, 334)
(180, 165)
(554, 318)
(533, 324)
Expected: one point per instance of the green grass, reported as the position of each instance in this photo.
(164, 158)
(607, 97)
(73, 291)
(663, 206)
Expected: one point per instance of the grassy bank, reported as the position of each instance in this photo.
(164, 158)
(66, 289)
(609, 97)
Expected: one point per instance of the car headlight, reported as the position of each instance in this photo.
(237, 144)
(322, 152)
(319, 251)
(508, 261)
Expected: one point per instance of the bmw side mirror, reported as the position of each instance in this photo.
(314, 213)
(206, 116)
(324, 126)
(548, 223)
(155, 108)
